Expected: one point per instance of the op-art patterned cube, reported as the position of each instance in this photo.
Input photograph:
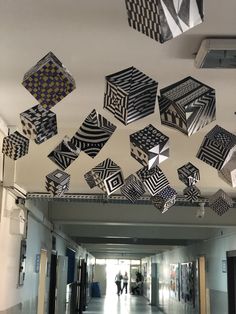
(149, 146)
(89, 178)
(220, 202)
(187, 105)
(15, 145)
(154, 179)
(132, 189)
(49, 81)
(57, 182)
(228, 172)
(108, 176)
(163, 20)
(39, 124)
(93, 134)
(189, 174)
(64, 154)
(130, 95)
(165, 199)
(192, 193)
(217, 147)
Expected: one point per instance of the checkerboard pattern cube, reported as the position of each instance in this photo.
(228, 172)
(165, 199)
(220, 202)
(57, 182)
(189, 174)
(192, 193)
(38, 124)
(15, 145)
(187, 105)
(132, 189)
(149, 146)
(49, 81)
(130, 95)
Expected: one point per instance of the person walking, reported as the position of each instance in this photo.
(118, 279)
(125, 282)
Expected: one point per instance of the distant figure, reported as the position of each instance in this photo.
(125, 282)
(118, 279)
(137, 289)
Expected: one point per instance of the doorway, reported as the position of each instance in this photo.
(112, 268)
(231, 278)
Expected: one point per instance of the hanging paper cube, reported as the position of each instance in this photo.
(49, 81)
(15, 145)
(189, 174)
(165, 199)
(149, 146)
(64, 154)
(192, 193)
(220, 202)
(93, 134)
(89, 178)
(107, 176)
(163, 20)
(228, 172)
(132, 189)
(57, 182)
(130, 95)
(39, 124)
(187, 105)
(217, 147)
(154, 179)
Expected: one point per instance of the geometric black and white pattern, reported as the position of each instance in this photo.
(188, 174)
(163, 20)
(192, 193)
(217, 147)
(165, 199)
(49, 81)
(15, 145)
(187, 105)
(89, 178)
(64, 154)
(228, 172)
(154, 179)
(220, 202)
(38, 124)
(93, 134)
(149, 146)
(130, 95)
(132, 189)
(57, 182)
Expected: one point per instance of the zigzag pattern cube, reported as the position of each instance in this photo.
(149, 146)
(39, 124)
(57, 182)
(192, 193)
(93, 134)
(165, 199)
(189, 174)
(132, 189)
(49, 81)
(228, 172)
(15, 145)
(163, 20)
(220, 202)
(130, 95)
(217, 147)
(188, 105)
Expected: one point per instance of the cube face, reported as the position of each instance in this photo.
(38, 124)
(15, 145)
(89, 178)
(163, 20)
(130, 95)
(165, 199)
(154, 179)
(93, 134)
(187, 105)
(64, 154)
(220, 202)
(149, 146)
(228, 172)
(132, 189)
(189, 174)
(217, 147)
(57, 182)
(49, 81)
(192, 193)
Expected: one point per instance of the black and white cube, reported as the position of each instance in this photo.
(228, 172)
(192, 193)
(49, 81)
(57, 182)
(189, 174)
(217, 147)
(132, 189)
(89, 178)
(130, 95)
(149, 146)
(165, 199)
(15, 145)
(38, 124)
(163, 20)
(187, 105)
(220, 202)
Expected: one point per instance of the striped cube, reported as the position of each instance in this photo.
(57, 182)
(192, 193)
(165, 199)
(15, 145)
(228, 172)
(132, 189)
(188, 174)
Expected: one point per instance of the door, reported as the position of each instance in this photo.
(202, 284)
(62, 266)
(231, 275)
(154, 284)
(52, 287)
(42, 282)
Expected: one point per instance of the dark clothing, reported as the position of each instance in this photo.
(125, 284)
(118, 284)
